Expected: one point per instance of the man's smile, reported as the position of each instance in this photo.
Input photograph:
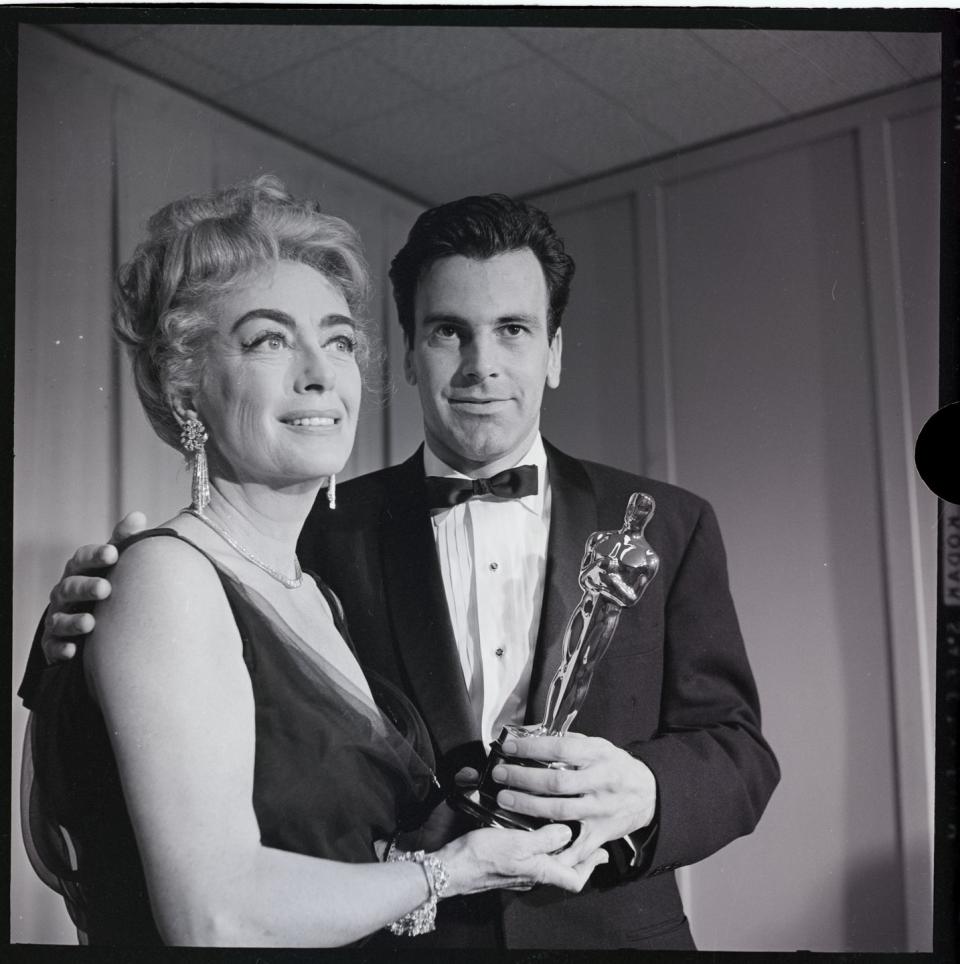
(477, 402)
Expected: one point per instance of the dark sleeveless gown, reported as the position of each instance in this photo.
(332, 774)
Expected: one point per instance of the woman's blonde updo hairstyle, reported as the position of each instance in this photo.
(198, 248)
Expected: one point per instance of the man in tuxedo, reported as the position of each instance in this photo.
(458, 568)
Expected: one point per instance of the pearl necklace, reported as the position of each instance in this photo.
(295, 583)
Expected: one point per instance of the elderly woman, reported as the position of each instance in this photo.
(215, 766)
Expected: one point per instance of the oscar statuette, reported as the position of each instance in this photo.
(616, 569)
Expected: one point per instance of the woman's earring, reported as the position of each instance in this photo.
(193, 437)
(332, 492)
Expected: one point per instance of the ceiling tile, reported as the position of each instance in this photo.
(395, 145)
(253, 50)
(807, 70)
(105, 36)
(744, 46)
(167, 62)
(639, 70)
(917, 53)
(440, 111)
(563, 116)
(341, 87)
(440, 58)
(554, 40)
(691, 111)
(293, 121)
(623, 59)
(853, 60)
(425, 129)
(507, 167)
(437, 153)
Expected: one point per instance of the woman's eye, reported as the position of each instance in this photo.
(271, 340)
(445, 331)
(343, 343)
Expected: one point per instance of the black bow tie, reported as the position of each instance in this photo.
(442, 493)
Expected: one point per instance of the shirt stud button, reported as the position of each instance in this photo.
(494, 566)
(499, 651)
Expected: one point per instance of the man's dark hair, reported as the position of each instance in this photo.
(480, 227)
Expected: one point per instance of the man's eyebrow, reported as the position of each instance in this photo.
(274, 314)
(443, 318)
(521, 316)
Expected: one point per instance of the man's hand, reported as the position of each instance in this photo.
(610, 792)
(68, 618)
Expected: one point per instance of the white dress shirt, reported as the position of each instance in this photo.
(493, 559)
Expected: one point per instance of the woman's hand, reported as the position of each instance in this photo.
(516, 860)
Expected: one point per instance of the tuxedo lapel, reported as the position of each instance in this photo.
(573, 517)
(417, 606)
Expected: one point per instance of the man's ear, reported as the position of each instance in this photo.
(409, 369)
(554, 359)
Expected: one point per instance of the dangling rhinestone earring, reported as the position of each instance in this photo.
(193, 437)
(332, 492)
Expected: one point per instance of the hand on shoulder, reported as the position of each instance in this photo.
(84, 582)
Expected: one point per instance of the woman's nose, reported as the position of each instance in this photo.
(317, 370)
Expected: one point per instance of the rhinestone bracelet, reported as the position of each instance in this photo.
(422, 919)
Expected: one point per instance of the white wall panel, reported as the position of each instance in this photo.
(164, 150)
(787, 328)
(64, 395)
(404, 422)
(773, 417)
(594, 412)
(904, 281)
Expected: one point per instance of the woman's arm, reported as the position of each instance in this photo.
(165, 665)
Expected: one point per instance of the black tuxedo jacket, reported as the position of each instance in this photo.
(674, 689)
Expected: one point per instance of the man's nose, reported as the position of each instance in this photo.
(479, 358)
(317, 370)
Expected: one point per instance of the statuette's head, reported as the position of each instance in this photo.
(639, 510)
(619, 565)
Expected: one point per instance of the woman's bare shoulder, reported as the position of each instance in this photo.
(165, 597)
(164, 556)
